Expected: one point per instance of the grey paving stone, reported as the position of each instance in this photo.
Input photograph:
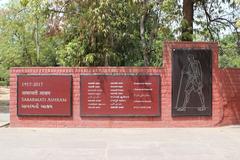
(120, 144)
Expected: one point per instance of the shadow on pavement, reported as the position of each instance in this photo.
(4, 106)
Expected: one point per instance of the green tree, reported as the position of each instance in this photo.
(111, 32)
(214, 18)
(238, 22)
(229, 54)
(98, 33)
(108, 32)
(22, 36)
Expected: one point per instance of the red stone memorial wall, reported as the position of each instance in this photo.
(230, 91)
(225, 95)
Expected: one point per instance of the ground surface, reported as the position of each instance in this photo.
(4, 105)
(120, 144)
(116, 144)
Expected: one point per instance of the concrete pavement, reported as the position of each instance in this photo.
(116, 144)
(120, 144)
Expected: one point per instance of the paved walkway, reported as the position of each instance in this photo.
(4, 105)
(120, 144)
(116, 144)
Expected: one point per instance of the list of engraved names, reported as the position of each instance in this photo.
(120, 94)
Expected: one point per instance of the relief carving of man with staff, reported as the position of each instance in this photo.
(194, 83)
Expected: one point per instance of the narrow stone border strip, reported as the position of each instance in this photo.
(6, 124)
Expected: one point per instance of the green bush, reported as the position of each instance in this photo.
(4, 77)
(3, 83)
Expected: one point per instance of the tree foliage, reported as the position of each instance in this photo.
(110, 32)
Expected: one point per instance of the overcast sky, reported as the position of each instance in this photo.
(3, 1)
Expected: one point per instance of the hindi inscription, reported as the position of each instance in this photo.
(44, 95)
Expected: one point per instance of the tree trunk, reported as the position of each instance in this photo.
(37, 41)
(187, 24)
(106, 60)
(143, 40)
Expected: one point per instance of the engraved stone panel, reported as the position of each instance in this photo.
(44, 95)
(191, 82)
(120, 95)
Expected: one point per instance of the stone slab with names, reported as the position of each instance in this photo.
(120, 95)
(44, 95)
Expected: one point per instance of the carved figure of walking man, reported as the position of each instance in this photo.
(194, 83)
